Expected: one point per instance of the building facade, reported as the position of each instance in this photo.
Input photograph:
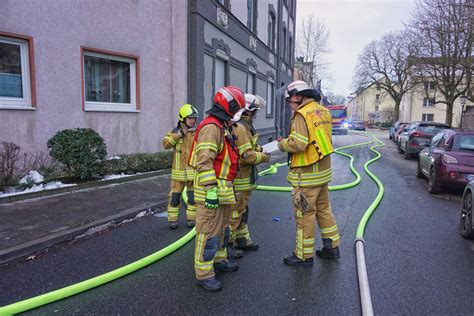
(245, 43)
(419, 105)
(124, 69)
(119, 69)
(371, 105)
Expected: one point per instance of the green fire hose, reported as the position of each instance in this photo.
(74, 289)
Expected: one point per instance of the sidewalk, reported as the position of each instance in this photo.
(32, 225)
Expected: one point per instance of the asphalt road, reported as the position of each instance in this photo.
(417, 262)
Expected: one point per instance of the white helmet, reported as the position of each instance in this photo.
(252, 103)
(300, 87)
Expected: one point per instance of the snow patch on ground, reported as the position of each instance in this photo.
(114, 158)
(38, 187)
(32, 177)
(117, 176)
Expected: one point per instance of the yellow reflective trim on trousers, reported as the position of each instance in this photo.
(299, 243)
(258, 158)
(225, 194)
(210, 146)
(308, 250)
(329, 229)
(308, 183)
(309, 241)
(199, 247)
(204, 265)
(301, 138)
(235, 213)
(221, 254)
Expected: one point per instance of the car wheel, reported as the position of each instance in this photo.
(433, 186)
(407, 155)
(466, 217)
(419, 174)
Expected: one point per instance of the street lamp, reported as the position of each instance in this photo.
(462, 99)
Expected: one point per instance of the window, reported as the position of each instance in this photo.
(270, 96)
(290, 50)
(428, 101)
(220, 74)
(429, 85)
(252, 15)
(284, 43)
(271, 31)
(427, 117)
(16, 72)
(110, 81)
(377, 98)
(251, 83)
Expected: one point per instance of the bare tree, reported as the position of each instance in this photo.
(443, 30)
(385, 63)
(312, 46)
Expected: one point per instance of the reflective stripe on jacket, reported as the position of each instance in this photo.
(215, 159)
(180, 170)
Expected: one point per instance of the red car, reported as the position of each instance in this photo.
(448, 160)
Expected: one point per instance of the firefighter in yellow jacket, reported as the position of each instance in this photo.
(250, 155)
(180, 139)
(215, 156)
(309, 145)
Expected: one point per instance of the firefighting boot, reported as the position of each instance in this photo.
(233, 253)
(190, 223)
(243, 243)
(226, 266)
(329, 253)
(173, 225)
(210, 284)
(293, 260)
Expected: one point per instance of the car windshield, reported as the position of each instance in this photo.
(432, 129)
(338, 113)
(463, 142)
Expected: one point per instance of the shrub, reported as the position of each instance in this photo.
(140, 162)
(81, 150)
(9, 157)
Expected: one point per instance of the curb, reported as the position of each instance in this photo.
(36, 245)
(81, 186)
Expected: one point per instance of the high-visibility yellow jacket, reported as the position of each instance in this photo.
(310, 145)
(180, 170)
(250, 154)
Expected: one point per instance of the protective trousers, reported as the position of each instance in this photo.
(316, 207)
(238, 223)
(212, 234)
(174, 202)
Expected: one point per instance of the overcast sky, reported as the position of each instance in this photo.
(352, 24)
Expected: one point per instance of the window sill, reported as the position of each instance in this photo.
(112, 110)
(17, 107)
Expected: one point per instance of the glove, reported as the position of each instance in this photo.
(212, 201)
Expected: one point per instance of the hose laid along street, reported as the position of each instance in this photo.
(417, 262)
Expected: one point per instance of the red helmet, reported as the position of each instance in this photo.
(230, 99)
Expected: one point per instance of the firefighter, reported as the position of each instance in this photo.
(250, 155)
(180, 139)
(214, 156)
(309, 146)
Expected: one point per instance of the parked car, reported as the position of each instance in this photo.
(358, 125)
(398, 132)
(466, 226)
(416, 136)
(448, 160)
(394, 128)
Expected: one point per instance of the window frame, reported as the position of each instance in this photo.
(134, 105)
(424, 117)
(224, 58)
(270, 99)
(28, 102)
(428, 102)
(252, 73)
